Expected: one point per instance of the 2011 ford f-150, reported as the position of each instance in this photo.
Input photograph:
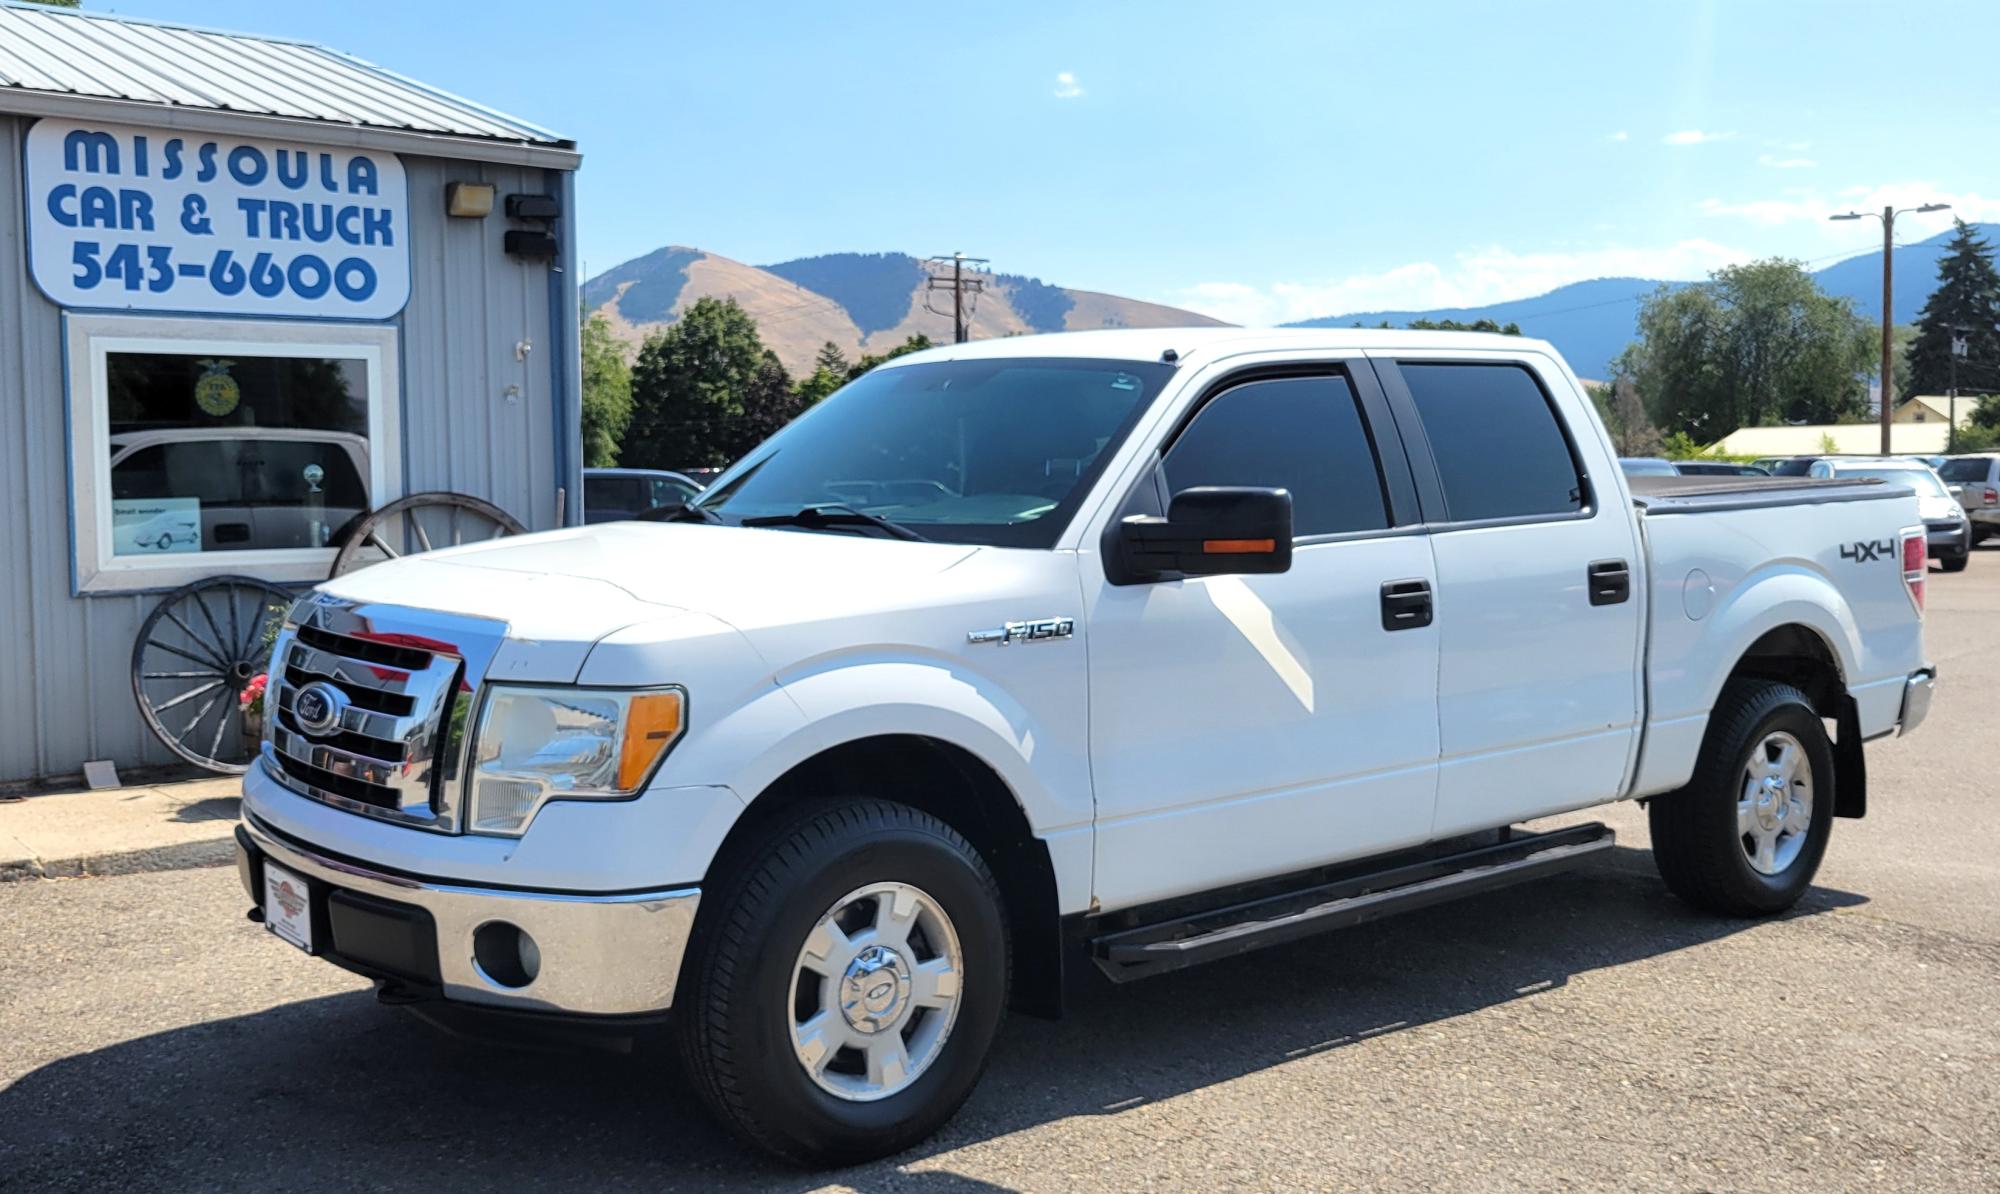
(1126, 649)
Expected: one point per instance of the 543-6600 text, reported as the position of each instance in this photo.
(154, 268)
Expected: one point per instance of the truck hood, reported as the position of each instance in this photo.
(577, 586)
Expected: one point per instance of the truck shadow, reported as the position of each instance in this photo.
(338, 1092)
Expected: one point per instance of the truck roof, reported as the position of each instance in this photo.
(1151, 344)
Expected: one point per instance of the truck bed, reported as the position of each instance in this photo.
(1658, 496)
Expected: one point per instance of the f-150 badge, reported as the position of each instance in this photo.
(1037, 631)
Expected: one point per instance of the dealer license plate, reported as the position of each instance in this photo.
(287, 906)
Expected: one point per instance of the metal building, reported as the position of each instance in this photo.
(222, 256)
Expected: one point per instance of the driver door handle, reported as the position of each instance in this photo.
(1406, 604)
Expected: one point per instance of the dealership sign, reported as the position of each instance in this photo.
(155, 220)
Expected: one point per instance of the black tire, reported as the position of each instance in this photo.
(734, 1014)
(1955, 563)
(1697, 843)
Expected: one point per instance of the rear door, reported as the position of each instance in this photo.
(1537, 613)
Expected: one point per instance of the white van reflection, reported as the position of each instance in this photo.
(252, 482)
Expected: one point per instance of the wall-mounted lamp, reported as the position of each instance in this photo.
(469, 200)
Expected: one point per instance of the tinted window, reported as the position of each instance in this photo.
(1500, 451)
(1797, 466)
(606, 493)
(1299, 433)
(1972, 468)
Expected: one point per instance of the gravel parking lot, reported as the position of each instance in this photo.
(1587, 1031)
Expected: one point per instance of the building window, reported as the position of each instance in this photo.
(206, 446)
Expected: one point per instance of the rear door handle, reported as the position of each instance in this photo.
(1406, 604)
(1610, 582)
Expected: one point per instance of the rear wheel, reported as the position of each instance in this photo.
(841, 1004)
(1746, 835)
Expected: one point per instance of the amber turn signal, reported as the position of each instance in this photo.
(1239, 547)
(652, 722)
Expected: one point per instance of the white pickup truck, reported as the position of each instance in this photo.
(1131, 649)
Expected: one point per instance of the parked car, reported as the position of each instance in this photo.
(1975, 481)
(838, 784)
(613, 494)
(1717, 468)
(1948, 531)
(1646, 466)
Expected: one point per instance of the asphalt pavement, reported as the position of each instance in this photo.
(1587, 1031)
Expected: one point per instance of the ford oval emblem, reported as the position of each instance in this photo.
(318, 706)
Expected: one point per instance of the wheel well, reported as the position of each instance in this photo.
(958, 788)
(1798, 656)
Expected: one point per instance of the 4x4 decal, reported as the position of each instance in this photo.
(1862, 551)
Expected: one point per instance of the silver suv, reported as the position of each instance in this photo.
(1975, 481)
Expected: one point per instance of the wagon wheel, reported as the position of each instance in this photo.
(197, 651)
(420, 522)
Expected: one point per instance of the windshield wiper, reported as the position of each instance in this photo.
(682, 512)
(834, 515)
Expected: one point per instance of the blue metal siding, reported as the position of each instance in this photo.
(65, 688)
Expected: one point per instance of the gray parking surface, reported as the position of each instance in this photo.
(1588, 1031)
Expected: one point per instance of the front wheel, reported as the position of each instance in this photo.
(841, 1004)
(1746, 835)
(1955, 563)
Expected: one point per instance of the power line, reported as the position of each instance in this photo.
(960, 287)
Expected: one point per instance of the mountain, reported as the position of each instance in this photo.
(1591, 322)
(863, 302)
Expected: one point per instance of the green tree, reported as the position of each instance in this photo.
(769, 403)
(1632, 433)
(607, 394)
(1967, 297)
(831, 359)
(1755, 344)
(915, 343)
(815, 388)
(689, 388)
(1510, 328)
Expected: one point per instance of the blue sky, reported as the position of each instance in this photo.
(1258, 161)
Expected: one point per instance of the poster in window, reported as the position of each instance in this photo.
(155, 526)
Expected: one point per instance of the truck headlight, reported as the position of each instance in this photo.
(534, 745)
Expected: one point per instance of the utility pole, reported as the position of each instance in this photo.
(1888, 218)
(960, 287)
(1959, 347)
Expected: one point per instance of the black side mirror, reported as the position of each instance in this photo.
(1212, 530)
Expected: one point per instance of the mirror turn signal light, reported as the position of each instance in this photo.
(1239, 547)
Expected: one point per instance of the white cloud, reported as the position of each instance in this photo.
(1066, 85)
(1693, 137)
(1620, 135)
(1810, 206)
(1470, 280)
(1777, 163)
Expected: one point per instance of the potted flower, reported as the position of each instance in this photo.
(250, 702)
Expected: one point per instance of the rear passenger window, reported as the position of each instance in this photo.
(1299, 433)
(1500, 451)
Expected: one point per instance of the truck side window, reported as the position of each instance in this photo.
(1500, 451)
(1299, 433)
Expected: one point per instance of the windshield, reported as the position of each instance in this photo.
(1923, 480)
(993, 451)
(1971, 468)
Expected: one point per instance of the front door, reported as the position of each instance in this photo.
(1246, 725)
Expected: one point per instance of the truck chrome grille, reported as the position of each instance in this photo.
(389, 690)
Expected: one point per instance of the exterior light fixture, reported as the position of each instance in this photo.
(469, 200)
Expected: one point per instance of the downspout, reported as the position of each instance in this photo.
(566, 362)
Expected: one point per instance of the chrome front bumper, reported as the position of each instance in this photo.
(1917, 693)
(601, 955)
